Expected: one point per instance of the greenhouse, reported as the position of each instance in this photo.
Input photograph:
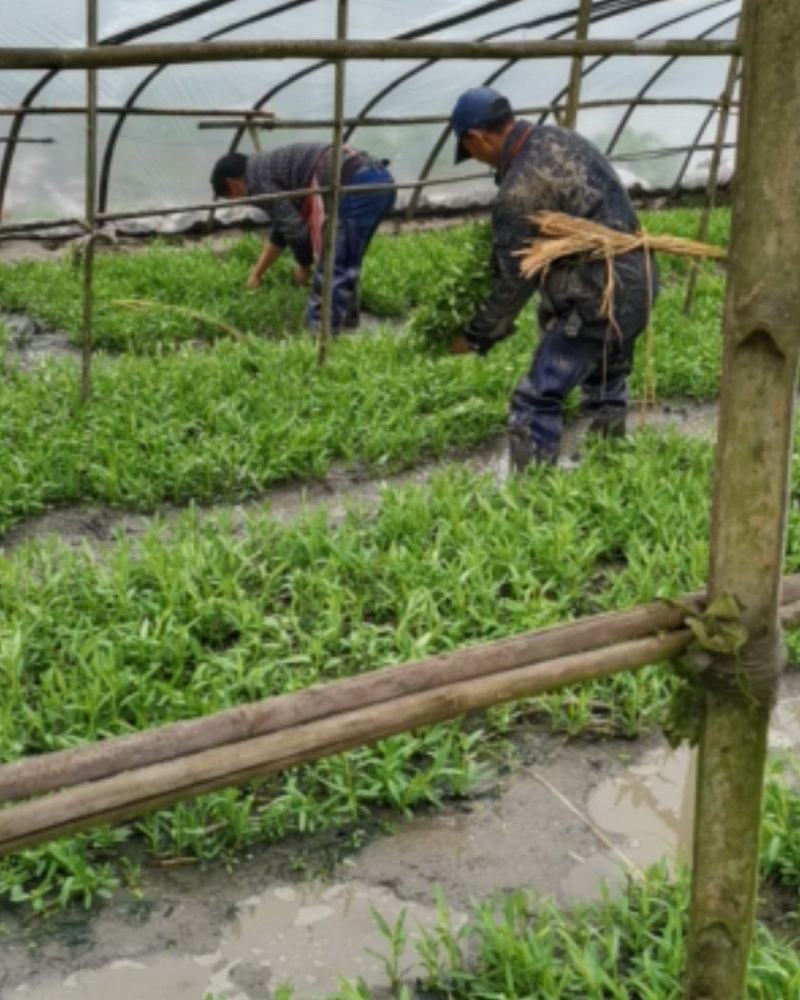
(398, 526)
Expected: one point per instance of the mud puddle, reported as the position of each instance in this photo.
(309, 935)
(340, 491)
(569, 817)
(31, 344)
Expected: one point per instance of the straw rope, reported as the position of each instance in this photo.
(563, 235)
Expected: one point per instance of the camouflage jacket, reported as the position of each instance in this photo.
(558, 170)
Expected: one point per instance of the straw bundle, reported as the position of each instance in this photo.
(563, 235)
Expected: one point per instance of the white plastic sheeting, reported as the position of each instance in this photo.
(155, 162)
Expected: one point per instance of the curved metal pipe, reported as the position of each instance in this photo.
(404, 77)
(617, 8)
(113, 137)
(440, 25)
(120, 37)
(629, 111)
(697, 140)
(645, 34)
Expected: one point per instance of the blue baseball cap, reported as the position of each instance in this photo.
(475, 108)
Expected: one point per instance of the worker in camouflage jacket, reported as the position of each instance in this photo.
(297, 222)
(541, 167)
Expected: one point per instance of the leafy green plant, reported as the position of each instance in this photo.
(197, 280)
(184, 424)
(396, 938)
(780, 831)
(153, 633)
(624, 948)
(461, 288)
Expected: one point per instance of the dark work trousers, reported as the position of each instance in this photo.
(598, 362)
(359, 216)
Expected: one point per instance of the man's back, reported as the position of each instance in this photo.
(561, 171)
(544, 168)
(288, 168)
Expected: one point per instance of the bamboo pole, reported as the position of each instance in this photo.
(383, 121)
(713, 174)
(136, 791)
(105, 757)
(133, 792)
(268, 119)
(761, 337)
(255, 200)
(162, 112)
(90, 182)
(329, 262)
(104, 57)
(576, 66)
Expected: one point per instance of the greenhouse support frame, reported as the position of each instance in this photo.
(760, 362)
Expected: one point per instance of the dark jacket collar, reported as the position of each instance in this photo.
(511, 146)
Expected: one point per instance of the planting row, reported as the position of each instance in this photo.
(227, 421)
(627, 948)
(157, 633)
(400, 272)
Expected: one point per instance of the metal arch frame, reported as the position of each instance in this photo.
(618, 7)
(439, 25)
(404, 77)
(695, 145)
(644, 34)
(119, 38)
(603, 15)
(144, 83)
(667, 64)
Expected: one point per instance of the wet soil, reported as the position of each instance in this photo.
(568, 817)
(341, 490)
(237, 934)
(565, 819)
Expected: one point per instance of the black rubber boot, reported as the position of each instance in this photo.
(523, 451)
(609, 423)
(352, 316)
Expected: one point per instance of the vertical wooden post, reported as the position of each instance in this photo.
(713, 171)
(91, 181)
(576, 67)
(760, 353)
(333, 198)
(255, 138)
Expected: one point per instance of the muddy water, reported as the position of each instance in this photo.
(569, 817)
(310, 934)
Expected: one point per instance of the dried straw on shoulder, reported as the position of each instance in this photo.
(563, 235)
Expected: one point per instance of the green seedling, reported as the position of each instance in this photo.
(154, 633)
(631, 946)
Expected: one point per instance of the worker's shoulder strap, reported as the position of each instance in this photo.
(520, 141)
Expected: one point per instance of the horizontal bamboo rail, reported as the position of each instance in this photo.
(18, 139)
(105, 57)
(10, 230)
(120, 109)
(268, 119)
(383, 121)
(53, 770)
(301, 736)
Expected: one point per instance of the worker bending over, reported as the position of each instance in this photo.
(586, 337)
(297, 222)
